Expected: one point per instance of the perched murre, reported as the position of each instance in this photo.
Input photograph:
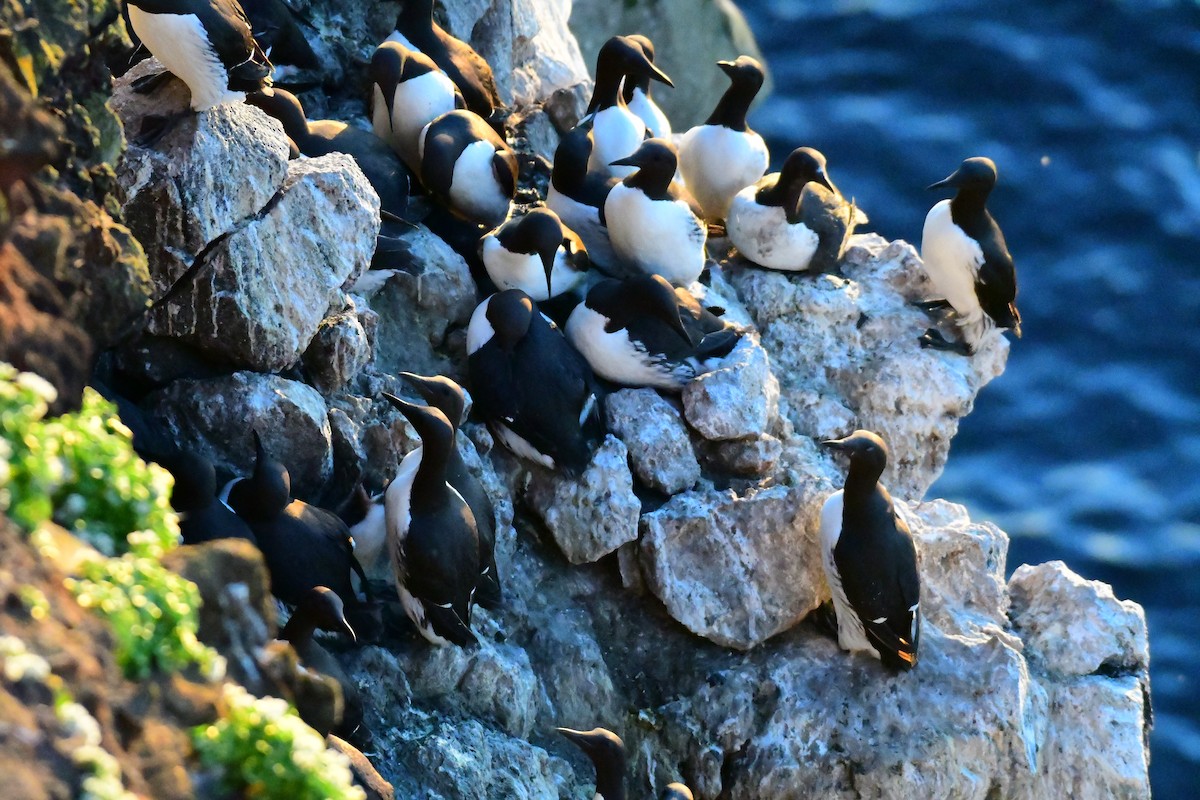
(607, 754)
(202, 517)
(408, 92)
(869, 559)
(766, 220)
(416, 30)
(382, 168)
(714, 337)
(721, 157)
(968, 261)
(577, 195)
(533, 389)
(433, 541)
(468, 167)
(652, 223)
(448, 397)
(535, 253)
(630, 332)
(321, 608)
(364, 516)
(276, 28)
(303, 546)
(637, 95)
(617, 131)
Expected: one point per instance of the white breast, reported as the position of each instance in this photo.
(509, 270)
(616, 132)
(479, 330)
(649, 113)
(615, 357)
(370, 535)
(474, 190)
(585, 221)
(850, 630)
(952, 261)
(657, 236)
(717, 163)
(763, 234)
(417, 103)
(180, 42)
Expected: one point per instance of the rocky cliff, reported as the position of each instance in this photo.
(663, 594)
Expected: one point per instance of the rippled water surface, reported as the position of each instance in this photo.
(1088, 448)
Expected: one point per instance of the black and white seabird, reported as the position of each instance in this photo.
(202, 516)
(869, 559)
(318, 137)
(303, 546)
(617, 131)
(276, 28)
(364, 516)
(637, 95)
(408, 92)
(968, 261)
(631, 332)
(321, 608)
(468, 167)
(433, 541)
(607, 754)
(775, 224)
(723, 156)
(207, 44)
(713, 336)
(577, 195)
(416, 30)
(535, 253)
(533, 389)
(652, 223)
(448, 397)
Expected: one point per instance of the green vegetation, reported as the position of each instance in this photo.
(263, 750)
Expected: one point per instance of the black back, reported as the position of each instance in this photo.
(445, 140)
(647, 307)
(276, 28)
(466, 68)
(229, 34)
(266, 493)
(713, 336)
(307, 546)
(570, 175)
(746, 78)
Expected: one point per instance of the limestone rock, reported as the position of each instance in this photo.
(736, 570)
(847, 353)
(593, 515)
(1076, 626)
(337, 352)
(737, 400)
(656, 438)
(752, 456)
(216, 417)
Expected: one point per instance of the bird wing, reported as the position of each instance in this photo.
(229, 32)
(441, 572)
(504, 165)
(996, 281)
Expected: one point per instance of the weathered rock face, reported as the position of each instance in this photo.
(651, 428)
(738, 400)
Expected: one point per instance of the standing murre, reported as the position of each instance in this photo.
(617, 131)
(207, 44)
(767, 221)
(321, 608)
(468, 168)
(533, 389)
(637, 95)
(652, 223)
(433, 541)
(968, 261)
(535, 253)
(723, 156)
(408, 92)
(577, 194)
(416, 30)
(448, 397)
(631, 333)
(870, 560)
(607, 754)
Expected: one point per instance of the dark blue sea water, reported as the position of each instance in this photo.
(1088, 448)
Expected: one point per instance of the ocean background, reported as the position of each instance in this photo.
(1087, 449)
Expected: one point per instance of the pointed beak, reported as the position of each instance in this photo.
(548, 256)
(949, 182)
(657, 74)
(403, 406)
(578, 738)
(345, 628)
(260, 452)
(417, 382)
(627, 161)
(837, 445)
(823, 179)
(726, 66)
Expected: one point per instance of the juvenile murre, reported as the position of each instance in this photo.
(653, 225)
(723, 156)
(535, 391)
(968, 261)
(535, 253)
(408, 92)
(869, 559)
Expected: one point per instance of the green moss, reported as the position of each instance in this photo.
(262, 749)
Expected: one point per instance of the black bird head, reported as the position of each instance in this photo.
(641, 82)
(978, 174)
(607, 752)
(621, 58)
(320, 608)
(744, 71)
(283, 106)
(654, 295)
(805, 165)
(866, 450)
(440, 392)
(195, 480)
(541, 232)
(676, 791)
(510, 314)
(414, 14)
(656, 161)
(430, 424)
(266, 492)
(387, 65)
